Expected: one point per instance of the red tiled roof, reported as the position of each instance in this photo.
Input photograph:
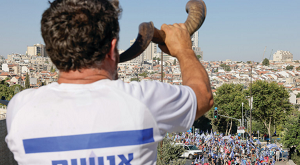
(4, 74)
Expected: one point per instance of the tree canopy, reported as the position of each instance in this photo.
(144, 74)
(270, 103)
(158, 59)
(9, 91)
(174, 62)
(168, 152)
(290, 67)
(228, 100)
(134, 79)
(52, 70)
(225, 67)
(292, 130)
(266, 62)
(27, 81)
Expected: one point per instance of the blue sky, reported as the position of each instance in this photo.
(233, 29)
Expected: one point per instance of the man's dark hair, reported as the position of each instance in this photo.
(78, 33)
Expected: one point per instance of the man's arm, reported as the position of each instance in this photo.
(179, 45)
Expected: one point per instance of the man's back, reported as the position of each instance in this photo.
(99, 122)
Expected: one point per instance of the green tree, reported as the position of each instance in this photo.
(225, 67)
(144, 74)
(258, 126)
(174, 62)
(16, 88)
(203, 123)
(198, 56)
(298, 95)
(266, 62)
(52, 69)
(217, 70)
(134, 79)
(168, 152)
(6, 91)
(9, 91)
(228, 99)
(270, 103)
(298, 68)
(292, 130)
(296, 158)
(292, 134)
(290, 67)
(27, 81)
(156, 58)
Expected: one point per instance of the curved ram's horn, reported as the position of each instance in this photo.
(142, 41)
(197, 13)
(196, 10)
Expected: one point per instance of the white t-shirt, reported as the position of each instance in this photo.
(103, 123)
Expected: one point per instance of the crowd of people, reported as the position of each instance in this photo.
(230, 150)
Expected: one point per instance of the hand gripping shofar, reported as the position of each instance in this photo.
(196, 10)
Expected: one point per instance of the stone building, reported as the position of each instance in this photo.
(281, 55)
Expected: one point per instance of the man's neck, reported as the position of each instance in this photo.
(85, 76)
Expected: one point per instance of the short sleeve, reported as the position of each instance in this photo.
(173, 106)
(15, 105)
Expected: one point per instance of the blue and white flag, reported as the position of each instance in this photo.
(258, 142)
(261, 158)
(202, 135)
(221, 135)
(232, 154)
(270, 146)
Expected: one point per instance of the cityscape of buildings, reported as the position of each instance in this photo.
(282, 69)
(147, 67)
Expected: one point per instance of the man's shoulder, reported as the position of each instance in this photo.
(27, 94)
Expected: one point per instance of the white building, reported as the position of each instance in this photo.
(292, 98)
(195, 39)
(281, 55)
(24, 69)
(150, 51)
(198, 51)
(36, 50)
(195, 44)
(5, 67)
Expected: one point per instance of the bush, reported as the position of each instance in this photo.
(168, 153)
(296, 158)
